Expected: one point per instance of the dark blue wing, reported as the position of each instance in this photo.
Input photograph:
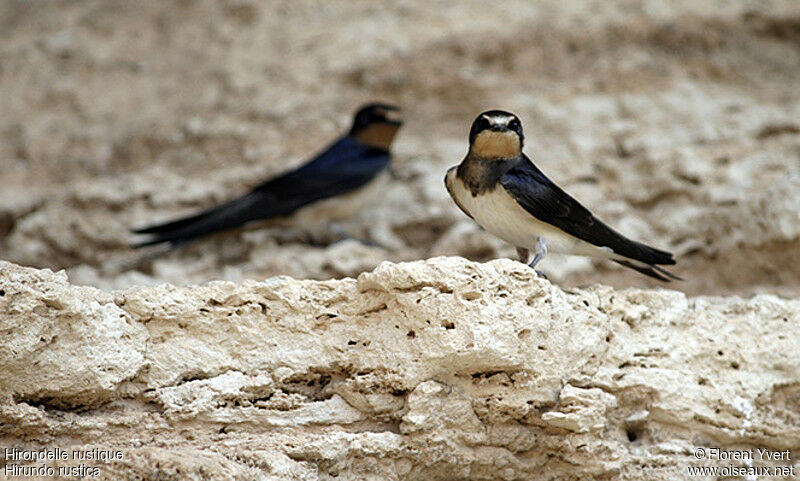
(547, 202)
(344, 166)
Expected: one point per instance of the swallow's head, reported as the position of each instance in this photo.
(376, 125)
(496, 134)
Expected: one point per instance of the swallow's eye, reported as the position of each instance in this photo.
(483, 123)
(514, 125)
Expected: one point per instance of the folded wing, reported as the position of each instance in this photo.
(344, 166)
(549, 203)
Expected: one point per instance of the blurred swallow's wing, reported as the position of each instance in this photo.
(343, 167)
(544, 200)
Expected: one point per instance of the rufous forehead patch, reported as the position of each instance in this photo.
(393, 115)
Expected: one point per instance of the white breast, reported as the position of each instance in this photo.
(340, 207)
(497, 212)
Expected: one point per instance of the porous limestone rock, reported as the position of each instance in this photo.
(675, 122)
(438, 369)
(46, 322)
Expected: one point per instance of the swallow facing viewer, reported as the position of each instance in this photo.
(499, 187)
(330, 187)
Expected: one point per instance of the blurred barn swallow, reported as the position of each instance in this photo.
(498, 186)
(330, 187)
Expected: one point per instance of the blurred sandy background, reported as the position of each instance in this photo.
(676, 122)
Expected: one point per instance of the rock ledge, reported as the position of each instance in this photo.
(436, 369)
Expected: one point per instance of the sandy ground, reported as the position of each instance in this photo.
(675, 122)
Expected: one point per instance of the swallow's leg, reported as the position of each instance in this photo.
(342, 234)
(539, 253)
(523, 254)
(312, 240)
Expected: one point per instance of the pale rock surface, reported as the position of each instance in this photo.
(676, 122)
(44, 319)
(438, 369)
(580, 410)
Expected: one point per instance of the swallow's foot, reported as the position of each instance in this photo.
(313, 241)
(539, 253)
(342, 234)
(541, 274)
(523, 254)
(366, 242)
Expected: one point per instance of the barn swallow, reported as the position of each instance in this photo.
(330, 187)
(498, 186)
